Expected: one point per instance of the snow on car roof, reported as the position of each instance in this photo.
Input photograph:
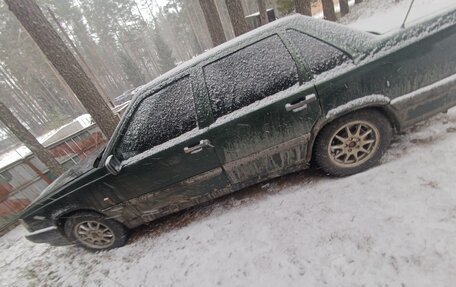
(312, 26)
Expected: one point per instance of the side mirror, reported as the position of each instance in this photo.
(113, 165)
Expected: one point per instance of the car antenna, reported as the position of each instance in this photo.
(406, 16)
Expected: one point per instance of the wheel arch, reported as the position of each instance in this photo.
(62, 215)
(119, 232)
(383, 106)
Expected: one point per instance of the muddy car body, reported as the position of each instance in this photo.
(259, 106)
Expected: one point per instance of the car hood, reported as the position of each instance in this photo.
(70, 175)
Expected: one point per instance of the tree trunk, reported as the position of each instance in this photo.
(15, 126)
(213, 21)
(303, 7)
(197, 16)
(328, 10)
(263, 13)
(225, 19)
(199, 46)
(344, 8)
(237, 16)
(32, 19)
(358, 1)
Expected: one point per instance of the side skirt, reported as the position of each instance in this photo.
(177, 197)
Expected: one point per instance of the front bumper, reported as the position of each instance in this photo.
(50, 235)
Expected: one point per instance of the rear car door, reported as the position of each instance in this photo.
(332, 70)
(167, 165)
(264, 109)
(319, 57)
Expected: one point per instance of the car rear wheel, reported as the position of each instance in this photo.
(95, 232)
(353, 143)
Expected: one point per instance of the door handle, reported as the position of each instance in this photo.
(299, 106)
(197, 148)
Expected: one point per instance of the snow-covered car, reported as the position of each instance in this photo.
(294, 92)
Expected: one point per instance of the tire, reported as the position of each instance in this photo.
(340, 151)
(95, 232)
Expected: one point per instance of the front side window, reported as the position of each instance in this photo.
(248, 75)
(160, 117)
(319, 56)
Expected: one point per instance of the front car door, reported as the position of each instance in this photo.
(167, 162)
(263, 107)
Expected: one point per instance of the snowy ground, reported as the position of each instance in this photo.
(383, 16)
(394, 225)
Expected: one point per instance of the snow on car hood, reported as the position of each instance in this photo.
(76, 171)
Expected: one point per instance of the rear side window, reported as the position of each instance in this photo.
(160, 117)
(319, 56)
(248, 75)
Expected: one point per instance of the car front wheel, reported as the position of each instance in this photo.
(95, 232)
(352, 143)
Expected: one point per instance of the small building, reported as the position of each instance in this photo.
(23, 176)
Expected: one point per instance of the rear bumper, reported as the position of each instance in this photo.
(50, 235)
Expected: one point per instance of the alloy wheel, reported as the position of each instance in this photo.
(94, 234)
(353, 144)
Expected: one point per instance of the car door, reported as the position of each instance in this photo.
(166, 163)
(336, 78)
(263, 108)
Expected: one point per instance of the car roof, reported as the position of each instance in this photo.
(350, 40)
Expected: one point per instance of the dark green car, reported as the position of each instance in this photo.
(294, 92)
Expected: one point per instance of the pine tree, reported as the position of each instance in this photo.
(166, 61)
(344, 8)
(214, 24)
(237, 17)
(328, 10)
(33, 20)
(263, 12)
(134, 75)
